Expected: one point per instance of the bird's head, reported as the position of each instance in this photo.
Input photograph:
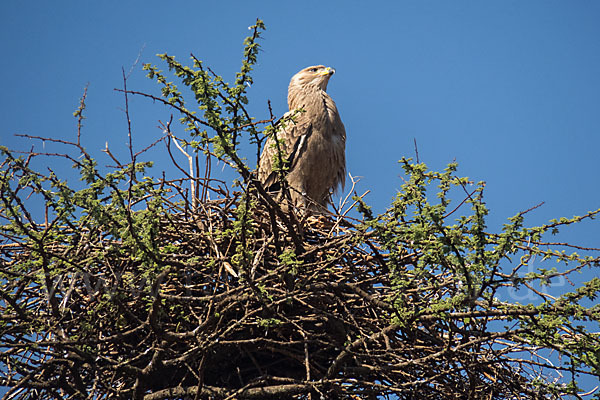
(315, 77)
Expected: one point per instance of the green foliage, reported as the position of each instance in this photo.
(474, 261)
(288, 258)
(269, 322)
(240, 233)
(221, 105)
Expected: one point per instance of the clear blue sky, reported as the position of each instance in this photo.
(510, 89)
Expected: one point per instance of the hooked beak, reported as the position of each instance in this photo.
(327, 71)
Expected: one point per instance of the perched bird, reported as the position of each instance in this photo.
(312, 145)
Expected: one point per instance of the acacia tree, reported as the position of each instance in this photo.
(148, 287)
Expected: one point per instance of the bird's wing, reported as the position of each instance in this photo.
(292, 143)
(339, 151)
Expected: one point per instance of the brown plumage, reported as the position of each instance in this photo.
(313, 144)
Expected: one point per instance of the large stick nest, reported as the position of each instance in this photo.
(234, 304)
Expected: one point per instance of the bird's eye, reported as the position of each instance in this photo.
(313, 69)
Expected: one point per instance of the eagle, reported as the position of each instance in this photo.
(311, 142)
